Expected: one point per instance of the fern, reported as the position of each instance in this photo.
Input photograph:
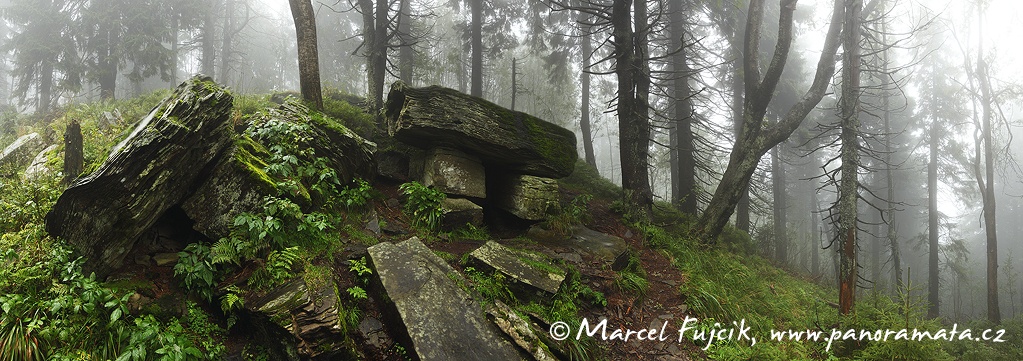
(277, 269)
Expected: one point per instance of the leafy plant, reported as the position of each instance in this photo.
(423, 205)
(277, 269)
(573, 214)
(196, 269)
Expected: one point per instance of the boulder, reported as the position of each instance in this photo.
(18, 154)
(309, 315)
(441, 320)
(518, 330)
(454, 172)
(153, 169)
(427, 117)
(583, 240)
(347, 153)
(237, 184)
(38, 168)
(458, 212)
(527, 197)
(531, 273)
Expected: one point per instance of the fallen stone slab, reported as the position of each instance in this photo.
(518, 330)
(153, 169)
(534, 272)
(604, 247)
(426, 117)
(39, 168)
(442, 321)
(18, 154)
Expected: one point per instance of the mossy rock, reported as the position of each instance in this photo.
(516, 141)
(155, 168)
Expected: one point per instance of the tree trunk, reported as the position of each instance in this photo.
(175, 25)
(107, 63)
(405, 41)
(892, 235)
(45, 87)
(74, 154)
(632, 128)
(815, 248)
(374, 23)
(757, 138)
(781, 249)
(642, 195)
(584, 80)
(308, 56)
(742, 207)
(476, 39)
(993, 311)
(680, 131)
(225, 47)
(932, 217)
(209, 51)
(849, 187)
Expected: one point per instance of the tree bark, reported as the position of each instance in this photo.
(892, 235)
(756, 138)
(781, 249)
(988, 190)
(209, 50)
(849, 187)
(476, 39)
(74, 154)
(584, 80)
(680, 131)
(107, 62)
(632, 127)
(308, 55)
(815, 251)
(45, 87)
(225, 45)
(405, 38)
(932, 215)
(374, 23)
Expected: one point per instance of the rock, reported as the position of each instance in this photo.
(347, 153)
(458, 212)
(518, 330)
(165, 259)
(18, 154)
(527, 197)
(310, 316)
(455, 173)
(393, 164)
(153, 169)
(38, 168)
(372, 331)
(584, 240)
(236, 184)
(426, 117)
(571, 257)
(442, 321)
(535, 273)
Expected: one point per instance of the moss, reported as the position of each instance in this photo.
(248, 159)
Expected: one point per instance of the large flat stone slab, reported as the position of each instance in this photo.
(441, 319)
(527, 269)
(427, 117)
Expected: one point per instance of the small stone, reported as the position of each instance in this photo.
(393, 203)
(163, 259)
(143, 259)
(571, 257)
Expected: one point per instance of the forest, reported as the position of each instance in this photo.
(459, 179)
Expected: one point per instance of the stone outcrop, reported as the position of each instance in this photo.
(153, 169)
(441, 320)
(529, 272)
(527, 197)
(18, 154)
(310, 315)
(520, 143)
